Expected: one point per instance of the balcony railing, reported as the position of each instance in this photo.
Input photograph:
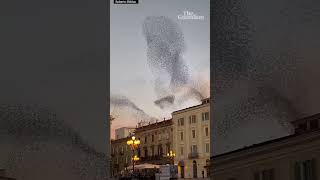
(155, 160)
(150, 158)
(193, 155)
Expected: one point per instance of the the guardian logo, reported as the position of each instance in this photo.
(126, 1)
(189, 15)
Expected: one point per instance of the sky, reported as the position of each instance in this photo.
(265, 64)
(130, 74)
(53, 55)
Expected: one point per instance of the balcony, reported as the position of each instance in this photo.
(155, 160)
(193, 155)
(150, 158)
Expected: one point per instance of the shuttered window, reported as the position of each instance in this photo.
(305, 170)
(264, 175)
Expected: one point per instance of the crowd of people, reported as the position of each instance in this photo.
(146, 174)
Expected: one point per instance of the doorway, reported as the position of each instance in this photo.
(195, 171)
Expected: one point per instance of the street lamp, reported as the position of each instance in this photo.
(135, 158)
(171, 155)
(133, 143)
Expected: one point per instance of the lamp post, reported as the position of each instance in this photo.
(171, 155)
(134, 159)
(133, 143)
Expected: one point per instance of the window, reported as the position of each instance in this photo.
(194, 148)
(152, 150)
(160, 150)
(181, 136)
(207, 131)
(205, 116)
(139, 152)
(304, 170)
(193, 133)
(314, 124)
(192, 119)
(207, 147)
(303, 126)
(181, 150)
(181, 122)
(264, 175)
(145, 139)
(145, 152)
(152, 138)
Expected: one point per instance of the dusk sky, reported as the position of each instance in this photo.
(130, 74)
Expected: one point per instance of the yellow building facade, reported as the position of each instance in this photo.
(191, 140)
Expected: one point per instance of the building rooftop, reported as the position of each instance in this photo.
(126, 127)
(113, 141)
(155, 125)
(203, 101)
(278, 140)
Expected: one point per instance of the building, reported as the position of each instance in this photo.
(191, 139)
(294, 157)
(121, 155)
(156, 142)
(124, 132)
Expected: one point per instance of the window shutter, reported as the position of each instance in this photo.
(310, 169)
(189, 119)
(307, 169)
(297, 171)
(313, 163)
